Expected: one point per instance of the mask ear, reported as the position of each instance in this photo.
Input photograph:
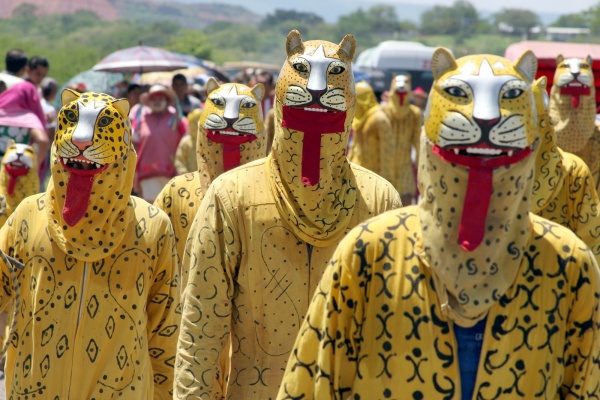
(259, 91)
(211, 85)
(559, 59)
(68, 96)
(589, 60)
(122, 105)
(347, 47)
(441, 62)
(527, 65)
(293, 44)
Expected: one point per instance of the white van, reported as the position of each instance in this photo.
(393, 57)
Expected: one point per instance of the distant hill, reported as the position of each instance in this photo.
(191, 15)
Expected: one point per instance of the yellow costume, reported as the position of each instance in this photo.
(181, 197)
(564, 190)
(373, 137)
(185, 156)
(262, 237)
(573, 111)
(382, 322)
(18, 177)
(406, 123)
(270, 128)
(99, 292)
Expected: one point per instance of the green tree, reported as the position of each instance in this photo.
(191, 42)
(521, 21)
(461, 20)
(573, 21)
(281, 16)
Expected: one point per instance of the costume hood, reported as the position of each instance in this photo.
(309, 174)
(93, 165)
(476, 176)
(366, 104)
(231, 128)
(573, 103)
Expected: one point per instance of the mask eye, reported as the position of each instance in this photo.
(337, 70)
(218, 101)
(104, 121)
(248, 104)
(300, 67)
(512, 94)
(456, 91)
(71, 116)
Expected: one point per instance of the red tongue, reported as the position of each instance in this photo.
(14, 173)
(401, 96)
(79, 189)
(477, 201)
(313, 124)
(231, 147)
(479, 191)
(575, 92)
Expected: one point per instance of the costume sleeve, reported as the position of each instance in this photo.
(210, 262)
(387, 142)
(6, 246)
(181, 154)
(323, 362)
(583, 199)
(164, 315)
(582, 339)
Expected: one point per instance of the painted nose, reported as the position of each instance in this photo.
(486, 123)
(81, 144)
(316, 94)
(230, 121)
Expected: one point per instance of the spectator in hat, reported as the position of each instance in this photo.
(157, 130)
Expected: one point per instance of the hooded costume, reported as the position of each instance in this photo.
(99, 291)
(265, 231)
(387, 318)
(406, 123)
(185, 156)
(18, 177)
(232, 118)
(372, 134)
(563, 190)
(573, 111)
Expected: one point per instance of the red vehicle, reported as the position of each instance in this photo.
(546, 53)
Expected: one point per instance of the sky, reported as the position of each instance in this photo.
(330, 10)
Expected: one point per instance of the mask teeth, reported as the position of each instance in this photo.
(493, 152)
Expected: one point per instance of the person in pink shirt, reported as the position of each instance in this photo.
(22, 119)
(157, 130)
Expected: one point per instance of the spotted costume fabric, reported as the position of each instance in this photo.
(99, 313)
(18, 177)
(240, 105)
(406, 123)
(573, 111)
(372, 134)
(255, 255)
(563, 190)
(380, 324)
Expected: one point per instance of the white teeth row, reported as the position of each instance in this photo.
(575, 84)
(491, 152)
(315, 109)
(66, 160)
(229, 133)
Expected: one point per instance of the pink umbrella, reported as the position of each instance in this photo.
(140, 59)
